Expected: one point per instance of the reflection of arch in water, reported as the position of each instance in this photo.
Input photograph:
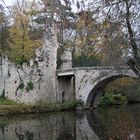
(96, 124)
(120, 123)
(94, 94)
(84, 131)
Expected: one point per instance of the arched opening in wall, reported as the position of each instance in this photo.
(114, 90)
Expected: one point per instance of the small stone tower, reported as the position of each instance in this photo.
(66, 59)
(49, 53)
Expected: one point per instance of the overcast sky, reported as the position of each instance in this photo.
(74, 8)
(8, 2)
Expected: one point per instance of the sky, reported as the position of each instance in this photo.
(74, 7)
(8, 2)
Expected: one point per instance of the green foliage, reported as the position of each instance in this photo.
(29, 86)
(132, 90)
(4, 34)
(9, 107)
(85, 61)
(23, 40)
(3, 94)
(5, 101)
(112, 97)
(70, 105)
(19, 60)
(126, 86)
(57, 106)
(21, 86)
(132, 86)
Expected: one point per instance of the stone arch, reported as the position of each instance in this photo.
(93, 95)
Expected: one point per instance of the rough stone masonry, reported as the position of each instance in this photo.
(33, 81)
(39, 80)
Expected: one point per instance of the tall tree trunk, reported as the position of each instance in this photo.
(131, 35)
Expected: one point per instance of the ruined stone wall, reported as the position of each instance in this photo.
(33, 81)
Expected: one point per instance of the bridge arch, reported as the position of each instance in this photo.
(88, 82)
(92, 99)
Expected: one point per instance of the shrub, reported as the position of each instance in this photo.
(110, 99)
(21, 86)
(20, 60)
(85, 61)
(29, 86)
(5, 101)
(3, 94)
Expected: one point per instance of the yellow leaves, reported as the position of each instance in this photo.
(87, 33)
(121, 82)
(21, 45)
(16, 33)
(23, 48)
(105, 25)
(32, 12)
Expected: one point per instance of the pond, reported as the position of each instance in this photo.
(108, 123)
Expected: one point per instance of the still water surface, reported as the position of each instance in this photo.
(108, 123)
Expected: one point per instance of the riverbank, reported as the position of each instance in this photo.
(8, 107)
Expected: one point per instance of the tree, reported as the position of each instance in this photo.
(127, 12)
(112, 47)
(59, 13)
(87, 33)
(4, 34)
(22, 45)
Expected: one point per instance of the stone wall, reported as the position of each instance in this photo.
(33, 81)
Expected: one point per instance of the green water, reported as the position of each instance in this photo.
(108, 123)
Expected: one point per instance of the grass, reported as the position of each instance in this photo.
(5, 101)
(9, 107)
(57, 106)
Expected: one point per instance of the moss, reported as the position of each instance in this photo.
(3, 94)
(21, 86)
(9, 107)
(29, 86)
(20, 60)
(57, 106)
(5, 101)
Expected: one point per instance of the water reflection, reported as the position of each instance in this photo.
(116, 123)
(104, 124)
(58, 126)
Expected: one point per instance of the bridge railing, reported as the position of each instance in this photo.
(98, 68)
(73, 70)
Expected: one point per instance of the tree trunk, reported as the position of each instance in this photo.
(131, 35)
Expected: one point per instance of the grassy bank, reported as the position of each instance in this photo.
(8, 107)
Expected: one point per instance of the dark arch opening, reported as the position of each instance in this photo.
(92, 100)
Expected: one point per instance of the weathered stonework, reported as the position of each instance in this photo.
(89, 82)
(35, 81)
(66, 59)
(39, 79)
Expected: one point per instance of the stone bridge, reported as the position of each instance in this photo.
(51, 85)
(86, 83)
